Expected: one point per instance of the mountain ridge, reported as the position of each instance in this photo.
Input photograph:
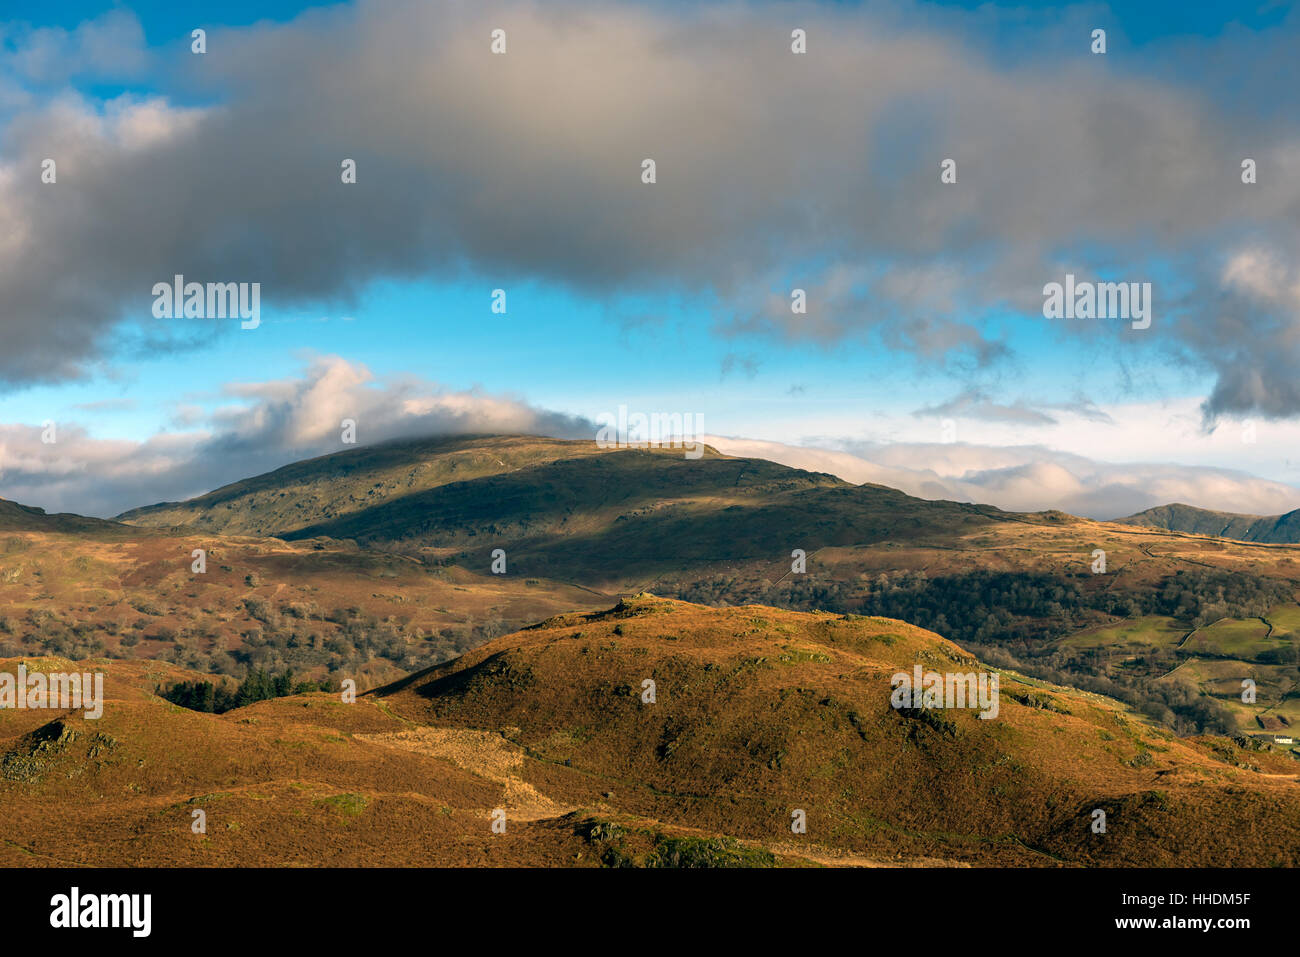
(326, 487)
(1281, 529)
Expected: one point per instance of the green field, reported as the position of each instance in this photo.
(1135, 634)
(1240, 638)
(1214, 659)
(1285, 619)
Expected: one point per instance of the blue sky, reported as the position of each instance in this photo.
(1142, 20)
(558, 350)
(923, 307)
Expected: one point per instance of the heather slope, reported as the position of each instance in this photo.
(326, 488)
(760, 712)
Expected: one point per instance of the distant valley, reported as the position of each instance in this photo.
(466, 586)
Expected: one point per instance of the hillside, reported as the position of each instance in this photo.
(28, 518)
(123, 591)
(1278, 529)
(623, 516)
(758, 712)
(567, 510)
(761, 711)
(289, 782)
(401, 576)
(330, 487)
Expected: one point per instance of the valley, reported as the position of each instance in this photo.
(1121, 691)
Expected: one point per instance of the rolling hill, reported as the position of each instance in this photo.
(759, 712)
(28, 518)
(385, 554)
(331, 487)
(567, 510)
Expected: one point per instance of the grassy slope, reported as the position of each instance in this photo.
(343, 483)
(759, 711)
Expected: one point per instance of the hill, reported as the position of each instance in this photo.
(628, 515)
(330, 487)
(403, 573)
(758, 712)
(568, 510)
(28, 518)
(1200, 521)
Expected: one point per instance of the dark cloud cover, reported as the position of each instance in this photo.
(774, 170)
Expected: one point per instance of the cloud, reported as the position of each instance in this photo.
(1256, 338)
(818, 170)
(111, 45)
(745, 365)
(1029, 478)
(249, 428)
(976, 404)
(261, 426)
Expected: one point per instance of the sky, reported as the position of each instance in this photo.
(924, 359)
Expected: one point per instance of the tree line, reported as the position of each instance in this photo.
(260, 685)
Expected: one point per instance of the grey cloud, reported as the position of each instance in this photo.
(770, 166)
(977, 405)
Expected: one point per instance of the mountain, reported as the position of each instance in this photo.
(758, 712)
(28, 518)
(567, 510)
(330, 487)
(382, 562)
(1278, 529)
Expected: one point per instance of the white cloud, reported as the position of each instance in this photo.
(269, 424)
(1030, 478)
(253, 427)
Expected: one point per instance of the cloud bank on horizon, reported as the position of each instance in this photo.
(1029, 478)
(819, 171)
(255, 427)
